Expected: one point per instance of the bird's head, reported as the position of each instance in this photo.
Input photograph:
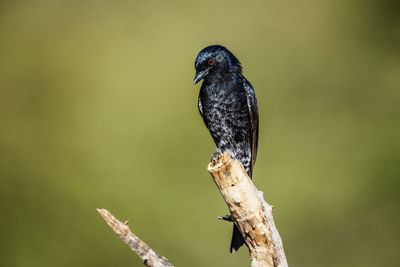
(215, 62)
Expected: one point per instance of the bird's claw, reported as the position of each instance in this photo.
(216, 157)
(227, 218)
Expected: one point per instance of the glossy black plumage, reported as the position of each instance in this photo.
(228, 106)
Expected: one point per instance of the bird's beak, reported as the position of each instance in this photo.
(200, 75)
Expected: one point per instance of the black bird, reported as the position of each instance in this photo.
(228, 105)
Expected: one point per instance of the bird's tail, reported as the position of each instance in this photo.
(237, 239)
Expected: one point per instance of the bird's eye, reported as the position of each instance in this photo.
(210, 61)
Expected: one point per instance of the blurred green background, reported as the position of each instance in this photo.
(98, 110)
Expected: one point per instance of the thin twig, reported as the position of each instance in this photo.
(150, 257)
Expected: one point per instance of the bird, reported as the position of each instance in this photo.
(228, 105)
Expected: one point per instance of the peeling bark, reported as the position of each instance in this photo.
(250, 212)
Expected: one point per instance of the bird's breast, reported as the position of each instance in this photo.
(224, 107)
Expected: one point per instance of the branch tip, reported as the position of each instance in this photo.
(149, 257)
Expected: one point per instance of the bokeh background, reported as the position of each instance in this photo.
(98, 110)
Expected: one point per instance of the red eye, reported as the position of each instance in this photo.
(210, 61)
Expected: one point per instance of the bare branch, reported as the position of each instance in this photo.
(250, 212)
(150, 257)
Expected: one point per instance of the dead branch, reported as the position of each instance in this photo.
(250, 212)
(150, 257)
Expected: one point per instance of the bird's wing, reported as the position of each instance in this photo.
(253, 111)
(200, 107)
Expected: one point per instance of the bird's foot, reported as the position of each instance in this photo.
(215, 157)
(227, 218)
